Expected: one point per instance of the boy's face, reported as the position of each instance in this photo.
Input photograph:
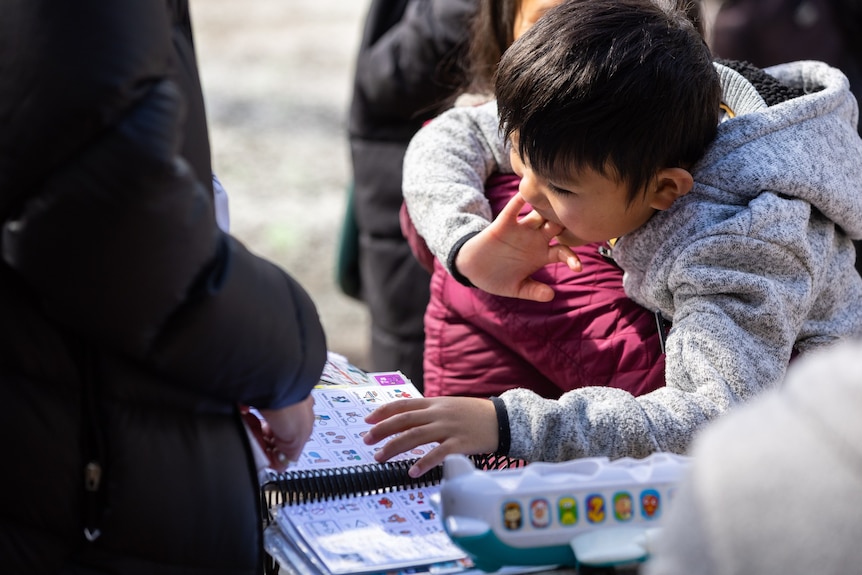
(589, 206)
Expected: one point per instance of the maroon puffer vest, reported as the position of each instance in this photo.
(591, 333)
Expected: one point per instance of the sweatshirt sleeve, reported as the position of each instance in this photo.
(115, 237)
(445, 169)
(735, 323)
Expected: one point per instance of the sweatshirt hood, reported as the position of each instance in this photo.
(806, 147)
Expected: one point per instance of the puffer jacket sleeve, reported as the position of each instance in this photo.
(392, 72)
(112, 230)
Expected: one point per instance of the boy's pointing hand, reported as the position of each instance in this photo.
(465, 425)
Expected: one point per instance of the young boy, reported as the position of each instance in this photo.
(479, 344)
(733, 195)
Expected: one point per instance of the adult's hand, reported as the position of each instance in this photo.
(291, 427)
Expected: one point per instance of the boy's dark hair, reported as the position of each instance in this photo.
(625, 87)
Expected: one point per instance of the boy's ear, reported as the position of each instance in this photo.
(671, 183)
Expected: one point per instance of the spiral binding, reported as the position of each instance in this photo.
(308, 486)
(496, 461)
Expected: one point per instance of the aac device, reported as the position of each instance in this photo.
(590, 511)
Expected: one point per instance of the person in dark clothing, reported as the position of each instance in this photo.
(407, 71)
(134, 329)
(772, 32)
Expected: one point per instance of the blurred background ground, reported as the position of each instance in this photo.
(277, 76)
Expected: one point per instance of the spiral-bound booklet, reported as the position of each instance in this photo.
(338, 511)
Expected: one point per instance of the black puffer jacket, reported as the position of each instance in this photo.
(407, 67)
(131, 326)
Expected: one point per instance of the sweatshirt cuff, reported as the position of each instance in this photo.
(503, 432)
(450, 261)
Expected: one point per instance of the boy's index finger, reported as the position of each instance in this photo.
(390, 419)
(533, 220)
(512, 209)
(387, 410)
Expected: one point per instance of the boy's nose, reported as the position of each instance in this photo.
(531, 191)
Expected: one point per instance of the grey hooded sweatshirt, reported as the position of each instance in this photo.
(753, 265)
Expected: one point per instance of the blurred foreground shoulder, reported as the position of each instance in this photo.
(780, 469)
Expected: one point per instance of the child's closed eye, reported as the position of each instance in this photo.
(558, 190)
